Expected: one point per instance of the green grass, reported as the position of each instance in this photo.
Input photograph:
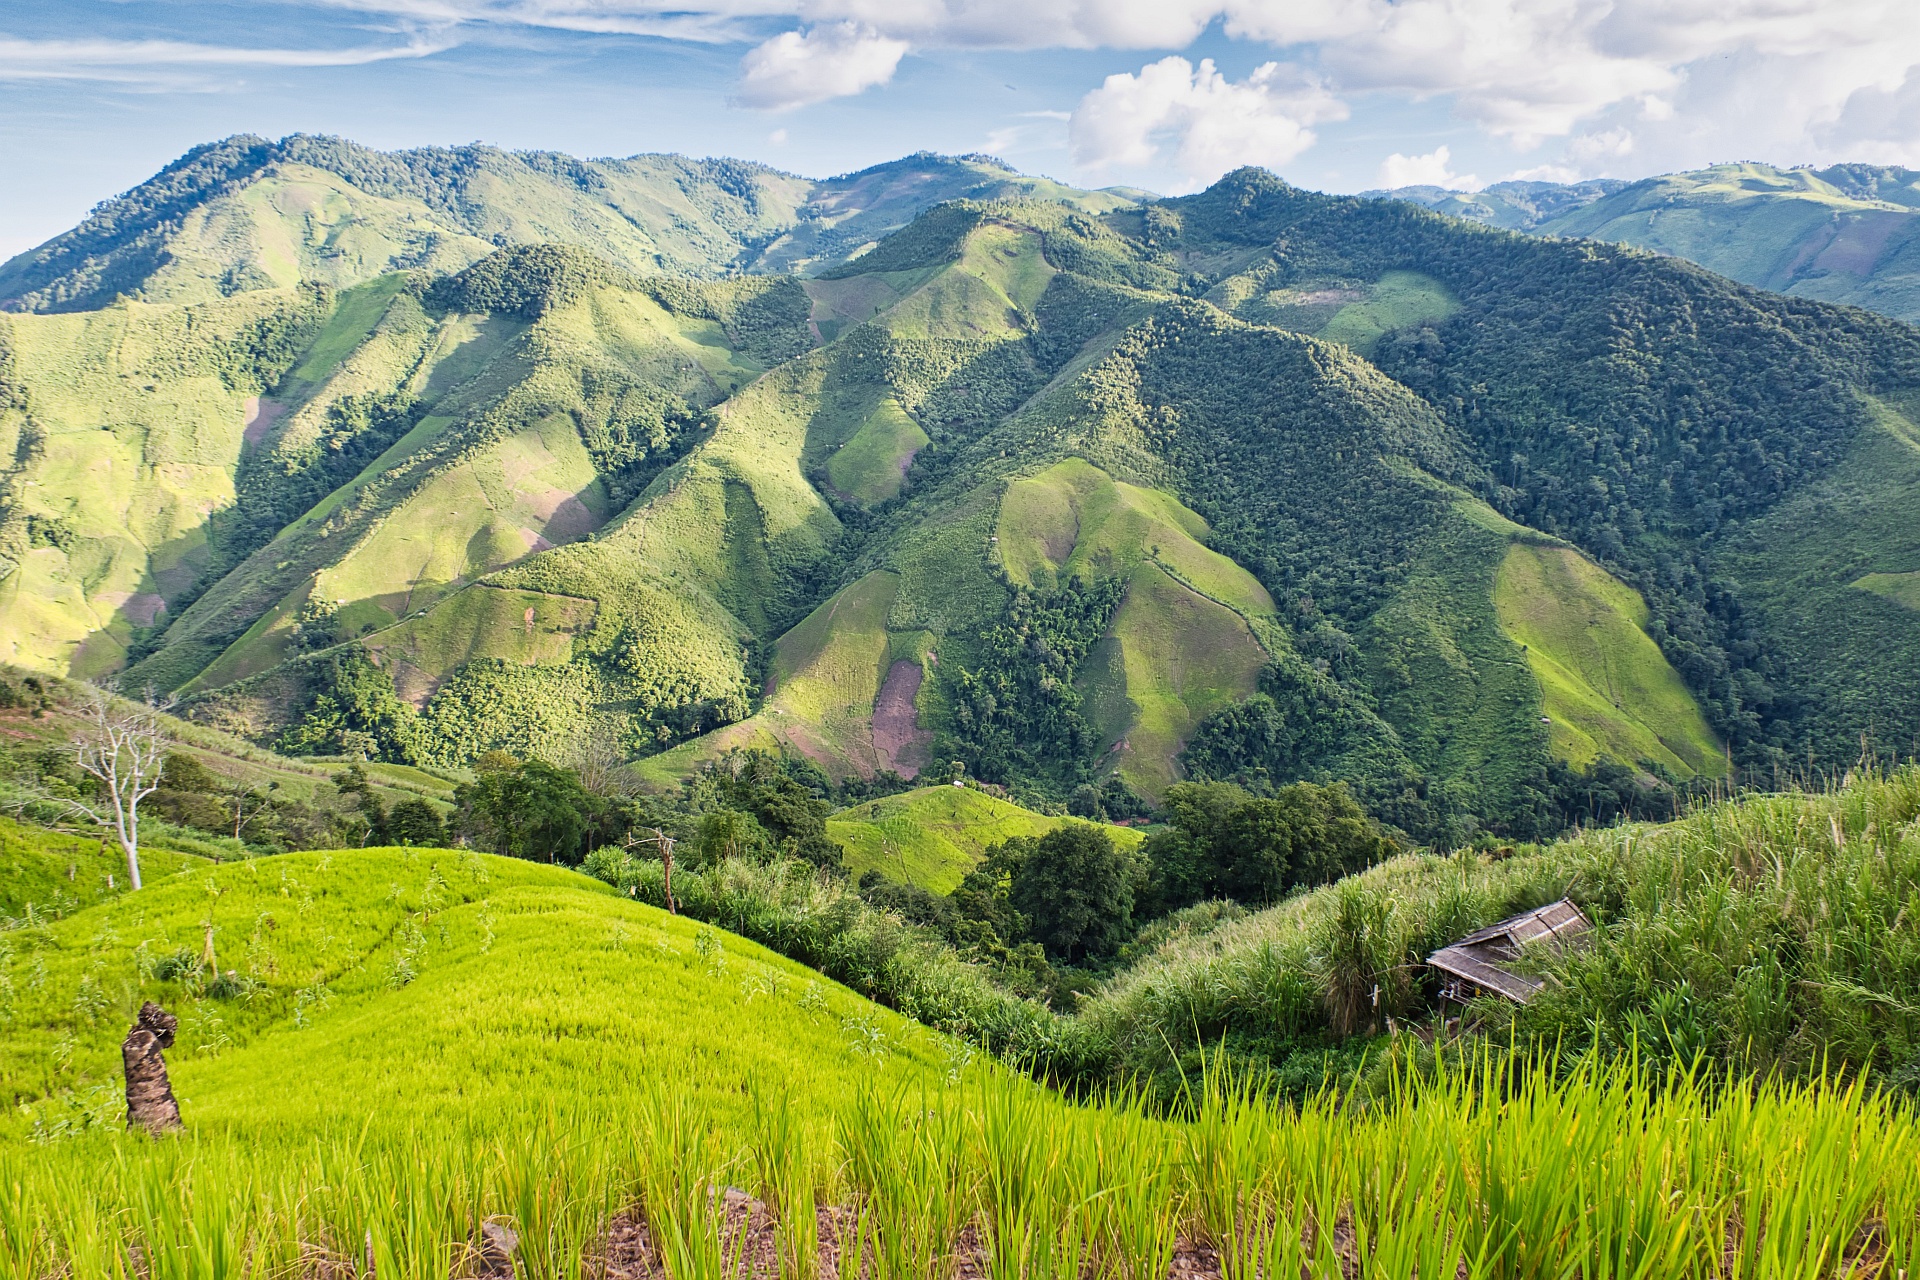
(511, 1042)
(872, 465)
(1901, 588)
(48, 875)
(1767, 934)
(1396, 300)
(357, 312)
(298, 222)
(999, 277)
(1826, 571)
(1458, 691)
(1604, 683)
(429, 978)
(529, 628)
(933, 836)
(141, 441)
(825, 676)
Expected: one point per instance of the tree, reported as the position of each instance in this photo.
(1223, 841)
(727, 834)
(124, 746)
(1075, 889)
(414, 822)
(534, 810)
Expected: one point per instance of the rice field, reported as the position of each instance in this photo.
(1492, 1170)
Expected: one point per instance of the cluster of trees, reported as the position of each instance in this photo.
(750, 805)
(1016, 714)
(1222, 841)
(1049, 913)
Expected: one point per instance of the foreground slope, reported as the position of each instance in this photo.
(403, 984)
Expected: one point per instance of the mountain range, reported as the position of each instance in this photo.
(1847, 233)
(425, 454)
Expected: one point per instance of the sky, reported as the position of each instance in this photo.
(1337, 95)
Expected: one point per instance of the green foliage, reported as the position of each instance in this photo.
(1074, 889)
(1223, 842)
(532, 810)
(933, 239)
(781, 799)
(353, 710)
(527, 281)
(1017, 713)
(274, 488)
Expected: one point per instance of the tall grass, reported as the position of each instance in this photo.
(1489, 1167)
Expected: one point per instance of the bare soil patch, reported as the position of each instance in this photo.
(899, 743)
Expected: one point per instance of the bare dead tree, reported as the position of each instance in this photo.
(124, 745)
(598, 760)
(664, 843)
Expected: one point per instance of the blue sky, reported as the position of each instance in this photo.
(1335, 94)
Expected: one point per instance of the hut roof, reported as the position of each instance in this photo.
(1481, 957)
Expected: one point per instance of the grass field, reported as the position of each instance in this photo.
(415, 1043)
(1396, 300)
(933, 836)
(1604, 683)
(871, 466)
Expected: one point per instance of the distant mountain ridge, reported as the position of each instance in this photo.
(1505, 531)
(1847, 233)
(248, 213)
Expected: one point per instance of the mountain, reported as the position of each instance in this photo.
(245, 213)
(1255, 484)
(1847, 233)
(1513, 206)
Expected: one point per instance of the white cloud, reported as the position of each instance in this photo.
(831, 61)
(1197, 121)
(1429, 170)
(130, 60)
(1689, 80)
(1544, 173)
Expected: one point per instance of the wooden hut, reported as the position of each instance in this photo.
(1479, 963)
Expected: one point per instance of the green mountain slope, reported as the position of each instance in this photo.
(122, 432)
(433, 982)
(1846, 233)
(1252, 484)
(245, 213)
(933, 836)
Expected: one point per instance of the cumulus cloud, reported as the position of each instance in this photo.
(830, 61)
(1430, 170)
(1196, 120)
(1680, 80)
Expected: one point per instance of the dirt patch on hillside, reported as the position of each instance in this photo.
(899, 743)
(262, 413)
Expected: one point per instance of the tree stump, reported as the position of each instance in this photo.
(150, 1103)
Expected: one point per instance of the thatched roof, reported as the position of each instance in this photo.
(1479, 960)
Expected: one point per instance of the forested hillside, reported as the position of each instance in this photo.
(1078, 499)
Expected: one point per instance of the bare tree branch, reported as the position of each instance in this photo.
(124, 745)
